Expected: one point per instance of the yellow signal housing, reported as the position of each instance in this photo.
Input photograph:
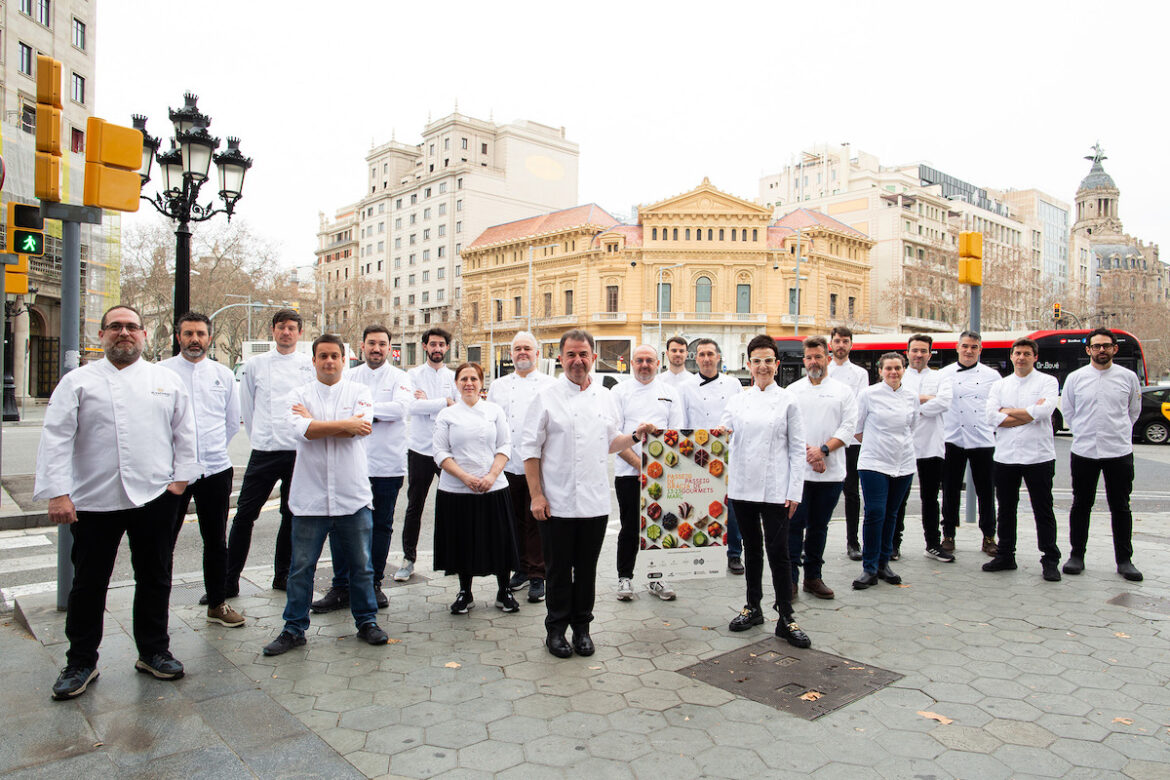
(971, 245)
(113, 155)
(14, 283)
(1056, 311)
(49, 81)
(47, 183)
(48, 177)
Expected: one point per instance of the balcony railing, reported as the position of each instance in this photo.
(790, 319)
(704, 316)
(609, 316)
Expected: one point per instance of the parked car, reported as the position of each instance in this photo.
(1153, 425)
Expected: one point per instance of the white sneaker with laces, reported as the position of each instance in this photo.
(625, 590)
(405, 571)
(662, 589)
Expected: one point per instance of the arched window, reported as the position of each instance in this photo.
(755, 234)
(703, 294)
(720, 234)
(710, 233)
(698, 234)
(688, 234)
(744, 235)
(675, 231)
(654, 234)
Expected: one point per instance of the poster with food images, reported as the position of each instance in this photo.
(683, 505)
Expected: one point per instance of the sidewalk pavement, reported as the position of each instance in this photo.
(1003, 675)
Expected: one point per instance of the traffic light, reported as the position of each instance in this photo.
(113, 155)
(26, 231)
(48, 162)
(971, 258)
(1056, 311)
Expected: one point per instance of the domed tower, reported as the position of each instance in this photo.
(1097, 200)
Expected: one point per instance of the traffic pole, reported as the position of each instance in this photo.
(975, 318)
(971, 274)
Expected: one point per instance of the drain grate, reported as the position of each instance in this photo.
(188, 593)
(806, 683)
(1141, 603)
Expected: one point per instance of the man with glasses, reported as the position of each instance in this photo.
(1101, 402)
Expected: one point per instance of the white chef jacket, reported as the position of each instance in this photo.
(965, 423)
(473, 436)
(439, 385)
(828, 411)
(114, 439)
(1033, 442)
(929, 440)
(264, 384)
(514, 394)
(766, 452)
(705, 400)
(853, 375)
(570, 431)
(886, 419)
(215, 402)
(1101, 407)
(393, 394)
(654, 402)
(677, 381)
(331, 476)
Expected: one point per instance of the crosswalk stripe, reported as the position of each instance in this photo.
(17, 542)
(19, 591)
(29, 563)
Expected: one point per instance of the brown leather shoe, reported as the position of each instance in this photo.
(818, 588)
(990, 547)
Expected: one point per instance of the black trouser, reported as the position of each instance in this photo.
(954, 473)
(571, 548)
(421, 471)
(264, 470)
(212, 494)
(852, 491)
(525, 528)
(96, 538)
(1118, 484)
(1038, 478)
(930, 475)
(765, 527)
(628, 490)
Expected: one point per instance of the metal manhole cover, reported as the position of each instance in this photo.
(188, 593)
(806, 683)
(1141, 603)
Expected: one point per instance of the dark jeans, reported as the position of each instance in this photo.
(525, 528)
(1038, 478)
(1118, 484)
(765, 528)
(852, 495)
(420, 473)
(954, 473)
(571, 548)
(627, 490)
(96, 538)
(211, 494)
(883, 496)
(351, 536)
(264, 470)
(809, 528)
(385, 490)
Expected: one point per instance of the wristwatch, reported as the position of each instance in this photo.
(825, 450)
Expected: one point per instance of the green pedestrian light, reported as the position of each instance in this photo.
(30, 243)
(25, 229)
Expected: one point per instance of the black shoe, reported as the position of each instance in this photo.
(280, 582)
(518, 581)
(506, 602)
(462, 603)
(1129, 571)
(866, 580)
(582, 644)
(887, 574)
(1000, 563)
(1051, 572)
(748, 616)
(558, 645)
(334, 599)
(896, 554)
(73, 681)
(203, 602)
(536, 591)
(788, 630)
(380, 597)
(283, 643)
(371, 634)
(162, 665)
(1074, 565)
(735, 565)
(853, 551)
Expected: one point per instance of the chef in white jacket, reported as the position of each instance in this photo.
(116, 452)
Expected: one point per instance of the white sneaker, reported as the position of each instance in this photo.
(405, 571)
(625, 590)
(662, 590)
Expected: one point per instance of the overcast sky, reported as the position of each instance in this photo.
(658, 95)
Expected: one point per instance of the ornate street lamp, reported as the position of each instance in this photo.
(183, 169)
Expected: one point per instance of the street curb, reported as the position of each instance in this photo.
(24, 520)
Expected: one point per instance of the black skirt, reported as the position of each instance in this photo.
(473, 533)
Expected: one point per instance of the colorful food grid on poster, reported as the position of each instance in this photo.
(683, 504)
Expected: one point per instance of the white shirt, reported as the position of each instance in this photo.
(766, 452)
(704, 401)
(654, 402)
(1032, 442)
(677, 381)
(439, 385)
(828, 411)
(473, 436)
(393, 395)
(886, 420)
(331, 477)
(1101, 407)
(215, 401)
(570, 430)
(114, 439)
(264, 385)
(514, 394)
(965, 423)
(929, 441)
(853, 375)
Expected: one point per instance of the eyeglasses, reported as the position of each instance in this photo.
(762, 361)
(1099, 347)
(128, 327)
